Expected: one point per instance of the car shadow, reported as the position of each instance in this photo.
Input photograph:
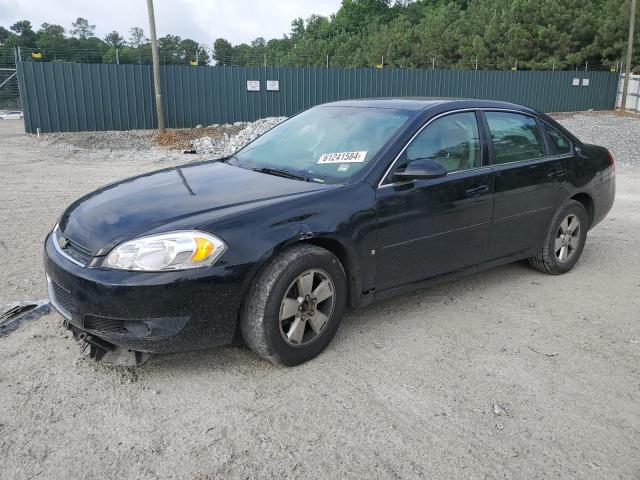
(239, 357)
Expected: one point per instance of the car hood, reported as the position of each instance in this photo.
(134, 206)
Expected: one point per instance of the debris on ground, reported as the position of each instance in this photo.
(498, 410)
(211, 142)
(183, 138)
(226, 143)
(14, 314)
(550, 354)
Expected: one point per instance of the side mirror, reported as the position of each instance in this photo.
(423, 169)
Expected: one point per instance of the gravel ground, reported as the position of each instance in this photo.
(620, 134)
(504, 374)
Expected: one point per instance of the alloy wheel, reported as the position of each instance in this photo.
(567, 238)
(306, 308)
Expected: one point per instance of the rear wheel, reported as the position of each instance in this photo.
(295, 305)
(565, 240)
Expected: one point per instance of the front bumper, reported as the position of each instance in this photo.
(149, 312)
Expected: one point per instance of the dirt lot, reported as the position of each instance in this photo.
(505, 374)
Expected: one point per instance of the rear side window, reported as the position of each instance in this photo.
(515, 137)
(560, 142)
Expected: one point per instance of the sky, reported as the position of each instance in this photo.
(201, 20)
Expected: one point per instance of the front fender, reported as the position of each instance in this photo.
(341, 220)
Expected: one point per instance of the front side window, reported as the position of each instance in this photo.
(452, 141)
(515, 137)
(324, 144)
(560, 142)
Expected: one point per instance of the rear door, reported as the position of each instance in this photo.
(529, 182)
(431, 227)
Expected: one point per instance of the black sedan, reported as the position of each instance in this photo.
(341, 205)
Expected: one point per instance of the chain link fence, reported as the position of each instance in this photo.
(9, 91)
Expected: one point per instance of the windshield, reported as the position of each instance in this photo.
(323, 144)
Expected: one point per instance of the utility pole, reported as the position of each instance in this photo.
(156, 66)
(627, 67)
(117, 58)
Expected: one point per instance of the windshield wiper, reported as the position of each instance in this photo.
(281, 173)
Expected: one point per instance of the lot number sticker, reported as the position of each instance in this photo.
(342, 157)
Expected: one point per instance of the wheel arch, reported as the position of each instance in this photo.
(587, 202)
(338, 248)
(345, 257)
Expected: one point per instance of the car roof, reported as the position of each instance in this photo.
(424, 103)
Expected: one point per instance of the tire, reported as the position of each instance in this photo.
(556, 261)
(272, 296)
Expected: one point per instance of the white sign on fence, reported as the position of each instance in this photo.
(273, 85)
(585, 82)
(576, 82)
(253, 85)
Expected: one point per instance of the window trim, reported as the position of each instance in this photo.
(487, 156)
(382, 184)
(480, 139)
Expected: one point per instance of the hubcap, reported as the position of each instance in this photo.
(567, 238)
(306, 307)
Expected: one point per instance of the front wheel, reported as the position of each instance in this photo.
(295, 305)
(565, 240)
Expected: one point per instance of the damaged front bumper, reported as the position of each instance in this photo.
(145, 312)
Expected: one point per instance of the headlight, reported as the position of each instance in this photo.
(168, 251)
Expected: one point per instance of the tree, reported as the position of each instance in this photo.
(222, 52)
(26, 35)
(125, 55)
(4, 35)
(191, 51)
(82, 29)
(538, 34)
(50, 38)
(114, 39)
(136, 37)
(169, 49)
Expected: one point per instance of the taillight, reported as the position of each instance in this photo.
(612, 163)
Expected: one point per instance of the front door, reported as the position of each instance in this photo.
(431, 227)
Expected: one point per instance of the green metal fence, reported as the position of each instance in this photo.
(61, 97)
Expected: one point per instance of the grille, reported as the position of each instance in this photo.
(62, 296)
(78, 253)
(104, 325)
(75, 250)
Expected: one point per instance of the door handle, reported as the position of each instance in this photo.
(562, 173)
(477, 190)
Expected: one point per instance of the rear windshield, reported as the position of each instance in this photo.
(323, 144)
